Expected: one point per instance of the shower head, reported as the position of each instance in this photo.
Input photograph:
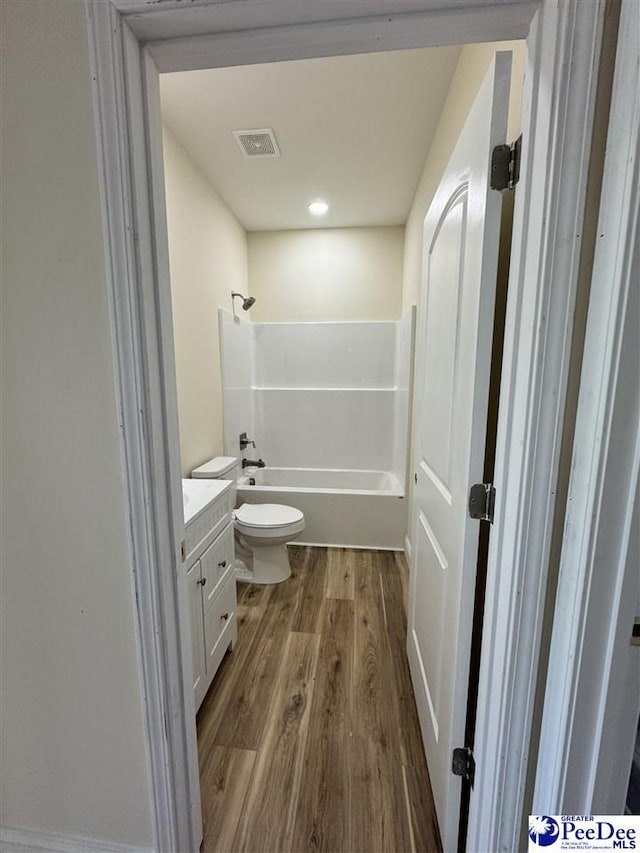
(247, 302)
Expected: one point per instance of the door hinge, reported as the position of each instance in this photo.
(183, 550)
(505, 165)
(482, 501)
(464, 764)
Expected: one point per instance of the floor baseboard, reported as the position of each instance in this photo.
(21, 840)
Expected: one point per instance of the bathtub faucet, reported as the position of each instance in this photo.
(253, 463)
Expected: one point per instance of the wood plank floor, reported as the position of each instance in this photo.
(309, 739)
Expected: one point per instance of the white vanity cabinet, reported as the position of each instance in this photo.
(209, 558)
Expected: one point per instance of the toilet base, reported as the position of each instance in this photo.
(241, 571)
(261, 564)
(270, 564)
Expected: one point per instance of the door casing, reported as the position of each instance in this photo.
(590, 716)
(131, 41)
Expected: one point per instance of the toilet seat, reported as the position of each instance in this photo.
(267, 516)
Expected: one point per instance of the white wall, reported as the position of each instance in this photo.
(324, 355)
(236, 352)
(319, 395)
(324, 394)
(326, 274)
(72, 734)
(404, 355)
(208, 258)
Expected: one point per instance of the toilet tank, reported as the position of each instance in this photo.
(219, 468)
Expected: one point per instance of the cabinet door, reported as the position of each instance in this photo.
(197, 633)
(216, 565)
(220, 629)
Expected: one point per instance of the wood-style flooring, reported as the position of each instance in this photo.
(309, 739)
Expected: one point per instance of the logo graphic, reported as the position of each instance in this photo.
(543, 830)
(584, 832)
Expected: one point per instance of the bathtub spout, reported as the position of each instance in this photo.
(253, 463)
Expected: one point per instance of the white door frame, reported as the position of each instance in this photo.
(585, 716)
(564, 38)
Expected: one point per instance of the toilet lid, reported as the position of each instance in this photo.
(267, 515)
(214, 468)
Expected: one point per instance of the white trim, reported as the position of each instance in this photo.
(597, 530)
(154, 531)
(350, 547)
(563, 49)
(347, 26)
(19, 840)
(343, 37)
(168, 463)
(408, 550)
(548, 216)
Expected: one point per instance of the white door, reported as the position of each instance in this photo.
(455, 328)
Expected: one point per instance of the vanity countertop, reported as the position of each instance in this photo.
(198, 494)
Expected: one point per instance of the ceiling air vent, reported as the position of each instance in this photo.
(257, 143)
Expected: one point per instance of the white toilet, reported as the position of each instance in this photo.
(261, 530)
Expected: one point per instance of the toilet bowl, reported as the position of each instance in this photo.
(261, 530)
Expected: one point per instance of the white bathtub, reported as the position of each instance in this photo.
(358, 509)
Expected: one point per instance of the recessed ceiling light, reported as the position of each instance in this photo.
(318, 208)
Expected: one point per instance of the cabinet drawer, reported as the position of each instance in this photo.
(221, 618)
(217, 565)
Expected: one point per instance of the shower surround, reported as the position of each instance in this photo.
(328, 406)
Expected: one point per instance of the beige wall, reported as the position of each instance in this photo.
(72, 735)
(470, 70)
(326, 274)
(208, 257)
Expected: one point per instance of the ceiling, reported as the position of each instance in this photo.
(352, 130)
